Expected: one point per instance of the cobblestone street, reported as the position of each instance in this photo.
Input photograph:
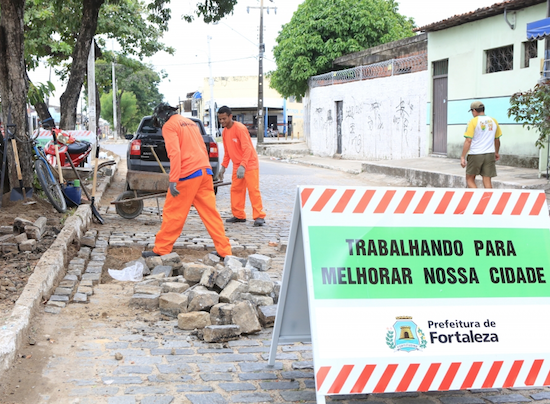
(104, 351)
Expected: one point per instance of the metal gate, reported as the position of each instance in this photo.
(339, 119)
(439, 118)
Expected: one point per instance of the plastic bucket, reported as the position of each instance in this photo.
(73, 195)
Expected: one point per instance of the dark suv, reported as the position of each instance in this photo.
(140, 157)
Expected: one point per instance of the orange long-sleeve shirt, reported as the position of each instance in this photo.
(184, 146)
(238, 147)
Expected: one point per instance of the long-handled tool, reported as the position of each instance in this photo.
(16, 196)
(4, 160)
(94, 210)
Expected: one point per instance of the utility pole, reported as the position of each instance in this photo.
(213, 117)
(115, 124)
(91, 90)
(261, 127)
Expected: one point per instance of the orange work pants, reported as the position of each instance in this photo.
(198, 191)
(251, 181)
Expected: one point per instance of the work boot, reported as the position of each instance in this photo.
(259, 222)
(147, 254)
(235, 220)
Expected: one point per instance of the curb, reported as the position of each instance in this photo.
(47, 272)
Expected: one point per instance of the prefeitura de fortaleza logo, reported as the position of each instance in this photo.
(405, 336)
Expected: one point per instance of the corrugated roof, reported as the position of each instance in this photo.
(479, 14)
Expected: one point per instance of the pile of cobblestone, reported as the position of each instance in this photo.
(221, 299)
(23, 235)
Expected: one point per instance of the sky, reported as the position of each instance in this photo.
(234, 41)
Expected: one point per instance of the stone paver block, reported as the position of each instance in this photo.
(267, 314)
(299, 396)
(223, 278)
(174, 287)
(172, 304)
(162, 269)
(145, 390)
(257, 300)
(128, 370)
(122, 400)
(52, 309)
(262, 262)
(217, 367)
(260, 287)
(220, 333)
(211, 259)
(251, 398)
(122, 380)
(261, 276)
(59, 298)
(203, 300)
(95, 278)
(302, 365)
(507, 398)
(211, 398)
(157, 399)
(80, 298)
(54, 303)
(244, 315)
(220, 314)
(232, 292)
(545, 395)
(464, 399)
(153, 262)
(86, 290)
(21, 238)
(237, 387)
(279, 385)
(257, 367)
(149, 302)
(63, 291)
(208, 278)
(193, 272)
(196, 319)
(147, 289)
(258, 376)
(170, 259)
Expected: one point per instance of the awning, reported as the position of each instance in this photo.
(539, 29)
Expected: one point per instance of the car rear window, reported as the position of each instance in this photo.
(147, 129)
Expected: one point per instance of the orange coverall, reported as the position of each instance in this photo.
(188, 167)
(239, 148)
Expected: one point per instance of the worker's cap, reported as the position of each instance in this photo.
(162, 113)
(476, 105)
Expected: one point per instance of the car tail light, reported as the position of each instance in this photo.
(135, 148)
(213, 149)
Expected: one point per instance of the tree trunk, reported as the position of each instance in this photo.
(14, 88)
(69, 99)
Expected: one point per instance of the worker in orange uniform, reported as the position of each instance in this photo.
(190, 183)
(246, 168)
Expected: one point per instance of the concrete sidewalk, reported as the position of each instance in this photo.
(420, 172)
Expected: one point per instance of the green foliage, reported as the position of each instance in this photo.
(212, 10)
(532, 108)
(128, 109)
(37, 92)
(323, 30)
(52, 27)
(131, 76)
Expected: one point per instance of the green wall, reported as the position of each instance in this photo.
(465, 47)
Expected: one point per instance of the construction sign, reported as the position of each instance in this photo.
(415, 289)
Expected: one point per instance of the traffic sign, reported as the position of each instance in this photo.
(416, 289)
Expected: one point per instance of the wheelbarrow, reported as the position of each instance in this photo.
(141, 185)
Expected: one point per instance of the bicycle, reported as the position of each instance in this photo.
(48, 182)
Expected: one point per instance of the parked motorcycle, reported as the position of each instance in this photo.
(78, 150)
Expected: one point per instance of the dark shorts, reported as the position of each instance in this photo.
(483, 164)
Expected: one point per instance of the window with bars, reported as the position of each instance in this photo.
(500, 59)
(441, 67)
(530, 51)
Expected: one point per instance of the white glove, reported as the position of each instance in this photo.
(173, 189)
(240, 172)
(221, 173)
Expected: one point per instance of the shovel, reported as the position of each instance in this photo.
(3, 175)
(94, 210)
(19, 193)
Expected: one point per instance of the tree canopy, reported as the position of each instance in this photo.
(323, 30)
(126, 111)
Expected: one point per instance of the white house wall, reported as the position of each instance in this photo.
(383, 118)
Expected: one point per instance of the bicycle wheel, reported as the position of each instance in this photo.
(51, 188)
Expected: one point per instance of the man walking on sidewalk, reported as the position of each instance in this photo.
(246, 168)
(190, 183)
(482, 145)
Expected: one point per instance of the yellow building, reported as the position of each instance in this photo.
(240, 93)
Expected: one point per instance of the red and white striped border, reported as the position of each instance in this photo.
(407, 377)
(75, 133)
(436, 202)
